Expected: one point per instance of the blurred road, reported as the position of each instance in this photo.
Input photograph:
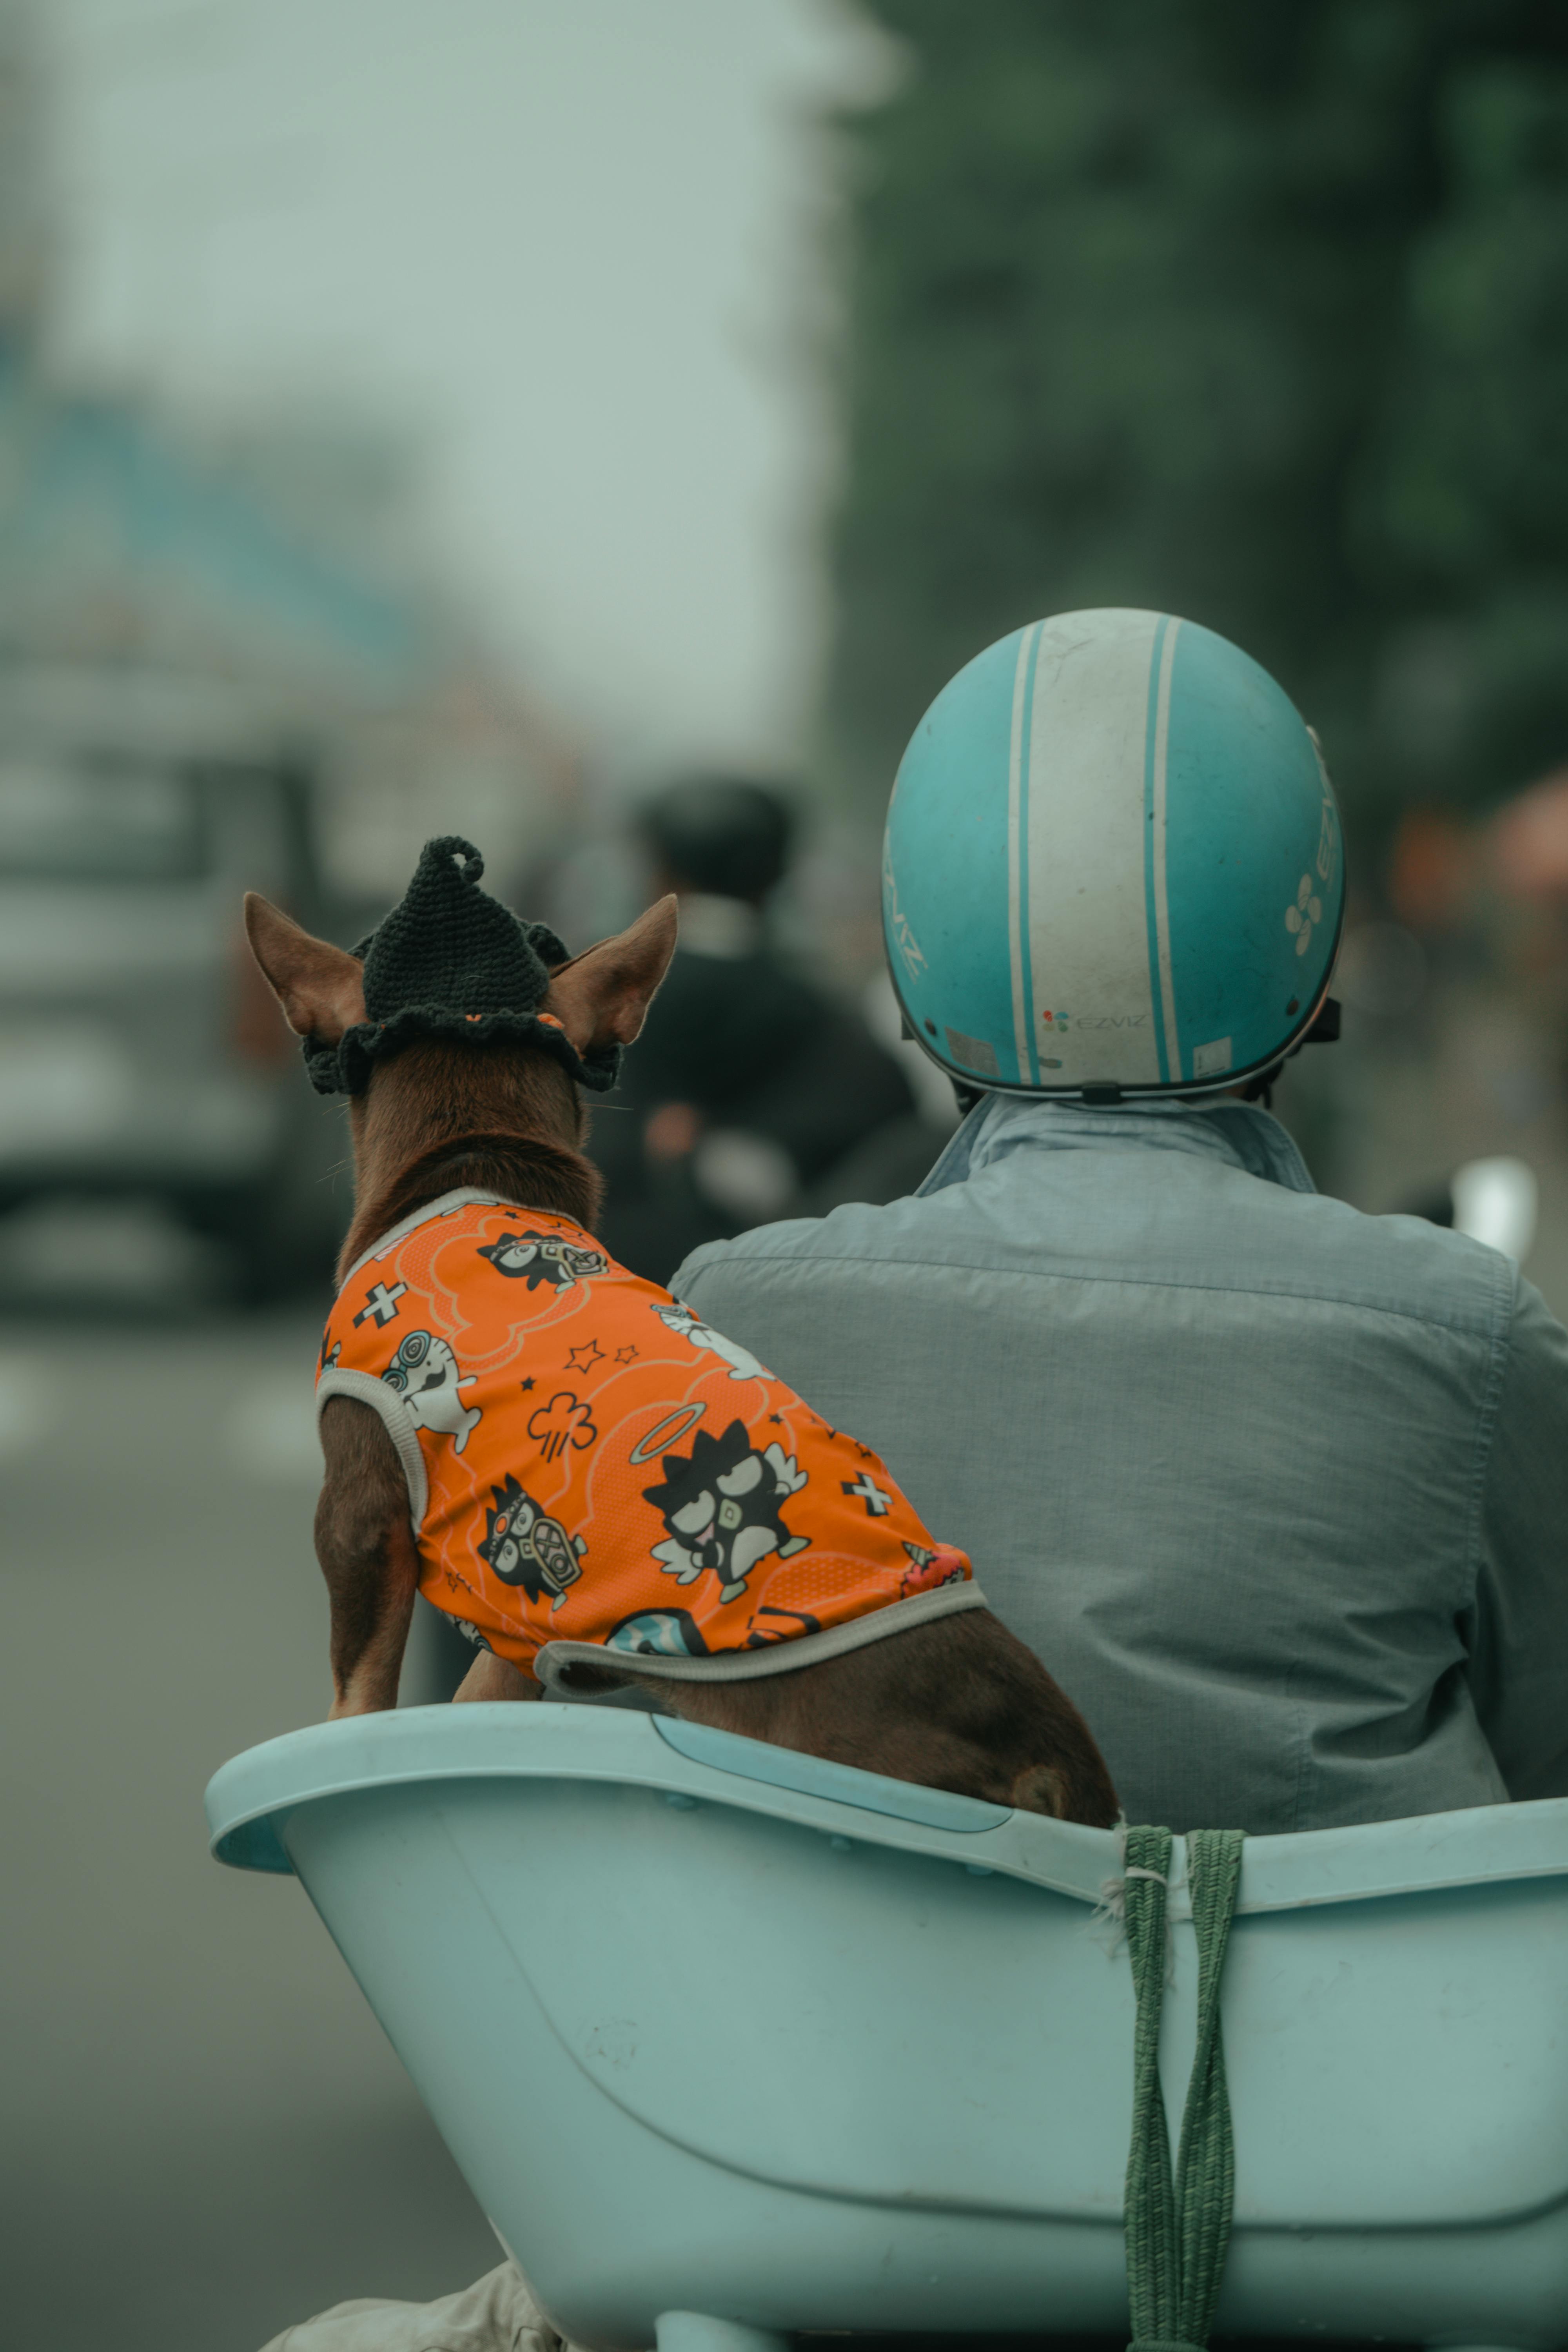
(206, 2136)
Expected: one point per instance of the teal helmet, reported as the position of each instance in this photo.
(1113, 865)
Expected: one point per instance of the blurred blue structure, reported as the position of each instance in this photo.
(277, 554)
(117, 539)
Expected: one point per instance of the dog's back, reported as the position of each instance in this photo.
(717, 1527)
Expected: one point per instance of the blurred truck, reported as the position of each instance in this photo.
(141, 1052)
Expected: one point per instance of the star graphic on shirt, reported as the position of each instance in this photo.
(579, 1358)
(526, 1385)
(624, 1355)
(778, 1419)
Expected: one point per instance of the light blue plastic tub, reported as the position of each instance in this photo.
(718, 2033)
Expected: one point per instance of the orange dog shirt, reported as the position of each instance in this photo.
(590, 1468)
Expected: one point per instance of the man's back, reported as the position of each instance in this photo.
(1276, 1490)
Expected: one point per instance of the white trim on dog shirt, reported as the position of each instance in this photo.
(554, 1662)
(465, 1196)
(400, 1425)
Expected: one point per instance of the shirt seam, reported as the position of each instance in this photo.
(1482, 1328)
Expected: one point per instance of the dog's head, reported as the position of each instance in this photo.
(578, 1011)
(420, 1087)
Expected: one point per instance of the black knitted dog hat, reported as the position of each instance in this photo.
(451, 961)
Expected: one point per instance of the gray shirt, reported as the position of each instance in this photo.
(1277, 1491)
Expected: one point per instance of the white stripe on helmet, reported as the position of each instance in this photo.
(1157, 815)
(1015, 856)
(1081, 831)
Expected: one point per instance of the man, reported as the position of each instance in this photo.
(1277, 1491)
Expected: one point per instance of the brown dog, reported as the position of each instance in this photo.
(957, 1703)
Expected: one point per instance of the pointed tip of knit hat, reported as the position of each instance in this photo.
(449, 947)
(451, 860)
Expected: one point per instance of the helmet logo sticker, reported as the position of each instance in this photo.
(1305, 915)
(1209, 1060)
(1057, 1022)
(904, 938)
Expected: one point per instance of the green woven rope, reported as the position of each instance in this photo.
(1154, 2259)
(1178, 2227)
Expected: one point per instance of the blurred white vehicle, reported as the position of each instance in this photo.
(139, 1051)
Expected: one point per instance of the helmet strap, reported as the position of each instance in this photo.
(1324, 1031)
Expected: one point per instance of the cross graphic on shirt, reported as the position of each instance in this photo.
(381, 1303)
(878, 1503)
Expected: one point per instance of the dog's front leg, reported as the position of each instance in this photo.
(365, 1546)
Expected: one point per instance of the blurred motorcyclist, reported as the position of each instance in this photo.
(748, 1085)
(1276, 1489)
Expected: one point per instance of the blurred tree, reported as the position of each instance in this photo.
(1256, 314)
(1462, 511)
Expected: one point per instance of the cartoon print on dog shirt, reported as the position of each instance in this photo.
(536, 1257)
(771, 1625)
(743, 1366)
(424, 1373)
(658, 1634)
(721, 1503)
(927, 1568)
(580, 1449)
(525, 1547)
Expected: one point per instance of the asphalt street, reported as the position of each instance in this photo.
(206, 2136)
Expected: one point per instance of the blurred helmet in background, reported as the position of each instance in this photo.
(720, 834)
(1113, 864)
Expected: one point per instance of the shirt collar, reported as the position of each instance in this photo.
(1239, 1134)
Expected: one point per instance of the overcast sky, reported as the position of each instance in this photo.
(570, 243)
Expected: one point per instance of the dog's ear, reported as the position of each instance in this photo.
(320, 987)
(602, 997)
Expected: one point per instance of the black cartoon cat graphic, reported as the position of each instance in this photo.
(721, 1505)
(535, 1257)
(525, 1547)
